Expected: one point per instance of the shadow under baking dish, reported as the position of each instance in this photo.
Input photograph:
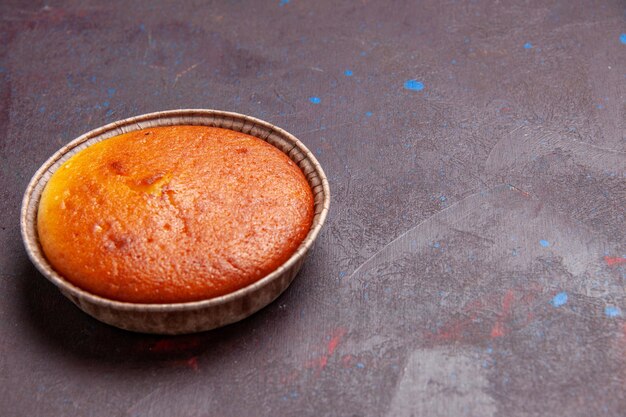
(190, 317)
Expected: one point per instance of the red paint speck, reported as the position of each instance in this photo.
(334, 341)
(507, 302)
(175, 345)
(321, 362)
(456, 329)
(453, 330)
(497, 330)
(614, 260)
(347, 360)
(193, 363)
(465, 325)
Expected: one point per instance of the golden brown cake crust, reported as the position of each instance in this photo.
(173, 214)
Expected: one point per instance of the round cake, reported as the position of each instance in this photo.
(173, 214)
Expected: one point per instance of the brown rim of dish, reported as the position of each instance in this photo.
(276, 136)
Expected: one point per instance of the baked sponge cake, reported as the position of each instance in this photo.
(173, 214)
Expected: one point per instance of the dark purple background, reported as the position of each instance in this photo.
(473, 263)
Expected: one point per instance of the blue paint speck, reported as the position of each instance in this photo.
(92, 79)
(612, 311)
(142, 27)
(315, 100)
(42, 109)
(348, 73)
(111, 91)
(528, 45)
(105, 104)
(342, 274)
(109, 113)
(360, 365)
(622, 38)
(544, 243)
(437, 245)
(559, 299)
(283, 2)
(368, 114)
(413, 85)
(514, 252)
(453, 62)
(363, 53)
(442, 198)
(2, 69)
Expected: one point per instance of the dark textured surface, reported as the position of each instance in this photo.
(473, 260)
